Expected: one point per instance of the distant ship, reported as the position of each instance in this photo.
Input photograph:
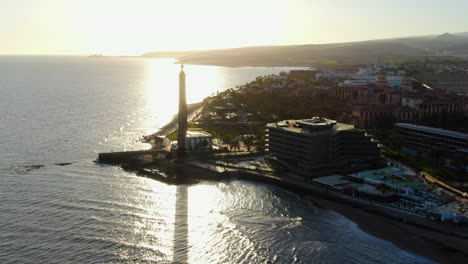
(96, 56)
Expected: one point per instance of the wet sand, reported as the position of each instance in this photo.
(430, 244)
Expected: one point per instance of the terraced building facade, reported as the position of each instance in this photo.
(319, 146)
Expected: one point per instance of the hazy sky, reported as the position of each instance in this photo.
(136, 26)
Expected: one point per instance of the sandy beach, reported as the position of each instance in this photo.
(433, 245)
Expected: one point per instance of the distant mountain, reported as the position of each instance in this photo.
(447, 37)
(313, 54)
(445, 43)
(459, 49)
(463, 34)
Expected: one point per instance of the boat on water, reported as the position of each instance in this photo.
(96, 56)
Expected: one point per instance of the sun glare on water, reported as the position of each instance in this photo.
(162, 87)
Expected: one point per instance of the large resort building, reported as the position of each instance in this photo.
(423, 138)
(319, 146)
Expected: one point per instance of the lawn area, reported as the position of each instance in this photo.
(173, 136)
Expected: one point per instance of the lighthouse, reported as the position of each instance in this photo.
(182, 117)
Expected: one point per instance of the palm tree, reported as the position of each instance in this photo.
(259, 142)
(236, 144)
(248, 142)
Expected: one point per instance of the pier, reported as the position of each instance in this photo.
(126, 157)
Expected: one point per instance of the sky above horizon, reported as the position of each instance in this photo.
(133, 27)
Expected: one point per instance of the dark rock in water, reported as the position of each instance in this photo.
(26, 169)
(63, 163)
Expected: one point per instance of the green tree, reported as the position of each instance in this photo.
(248, 142)
(236, 144)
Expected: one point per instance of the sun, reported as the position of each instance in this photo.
(135, 27)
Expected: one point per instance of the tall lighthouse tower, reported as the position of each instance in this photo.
(182, 117)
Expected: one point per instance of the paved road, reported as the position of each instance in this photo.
(191, 116)
(431, 179)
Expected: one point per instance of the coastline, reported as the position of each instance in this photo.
(415, 233)
(239, 65)
(420, 240)
(215, 63)
(433, 245)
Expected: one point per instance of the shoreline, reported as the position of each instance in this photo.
(414, 239)
(414, 233)
(218, 64)
(419, 240)
(251, 65)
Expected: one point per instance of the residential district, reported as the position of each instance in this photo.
(368, 134)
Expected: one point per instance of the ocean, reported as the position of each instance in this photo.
(65, 109)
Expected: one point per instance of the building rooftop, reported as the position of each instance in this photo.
(384, 108)
(434, 130)
(432, 96)
(316, 122)
(197, 133)
(390, 175)
(315, 125)
(372, 190)
(456, 208)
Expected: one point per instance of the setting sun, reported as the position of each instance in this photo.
(242, 131)
(120, 27)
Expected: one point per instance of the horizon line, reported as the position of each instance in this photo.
(228, 48)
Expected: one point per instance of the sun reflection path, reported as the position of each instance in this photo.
(181, 246)
(161, 97)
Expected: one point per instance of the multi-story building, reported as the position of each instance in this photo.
(465, 105)
(433, 103)
(319, 146)
(423, 138)
(367, 116)
(409, 107)
(367, 95)
(339, 74)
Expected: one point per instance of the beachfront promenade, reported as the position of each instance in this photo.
(193, 111)
(294, 183)
(431, 179)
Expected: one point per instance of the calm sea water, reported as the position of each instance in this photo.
(67, 109)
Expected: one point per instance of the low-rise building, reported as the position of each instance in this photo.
(456, 211)
(198, 140)
(319, 146)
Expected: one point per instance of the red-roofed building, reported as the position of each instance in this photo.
(367, 95)
(306, 91)
(365, 116)
(433, 102)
